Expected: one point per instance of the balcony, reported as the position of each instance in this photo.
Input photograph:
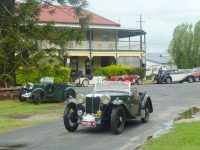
(96, 45)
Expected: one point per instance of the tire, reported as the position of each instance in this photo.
(147, 109)
(85, 82)
(37, 98)
(190, 79)
(168, 80)
(70, 118)
(22, 99)
(196, 79)
(139, 81)
(69, 93)
(117, 120)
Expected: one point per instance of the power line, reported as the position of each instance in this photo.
(153, 13)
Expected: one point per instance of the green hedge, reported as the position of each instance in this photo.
(115, 70)
(34, 74)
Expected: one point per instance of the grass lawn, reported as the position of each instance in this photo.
(14, 114)
(184, 136)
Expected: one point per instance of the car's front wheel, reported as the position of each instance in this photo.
(117, 119)
(85, 82)
(37, 98)
(20, 95)
(168, 80)
(70, 118)
(146, 117)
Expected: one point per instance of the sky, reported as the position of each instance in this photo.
(160, 17)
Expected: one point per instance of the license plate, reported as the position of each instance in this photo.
(88, 123)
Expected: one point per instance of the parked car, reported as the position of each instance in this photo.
(111, 104)
(85, 81)
(46, 91)
(130, 78)
(196, 73)
(169, 76)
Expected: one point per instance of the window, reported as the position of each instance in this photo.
(105, 37)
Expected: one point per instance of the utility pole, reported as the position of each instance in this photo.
(141, 21)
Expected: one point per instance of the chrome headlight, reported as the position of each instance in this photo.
(80, 98)
(105, 99)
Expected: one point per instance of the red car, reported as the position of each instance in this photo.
(127, 78)
(196, 74)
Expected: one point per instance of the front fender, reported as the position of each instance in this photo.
(38, 89)
(144, 101)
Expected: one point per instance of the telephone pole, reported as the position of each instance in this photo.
(141, 21)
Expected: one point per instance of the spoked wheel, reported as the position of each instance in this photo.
(37, 98)
(168, 80)
(196, 79)
(20, 95)
(69, 93)
(139, 81)
(85, 82)
(70, 118)
(117, 119)
(146, 118)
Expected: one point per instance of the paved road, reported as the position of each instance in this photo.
(168, 102)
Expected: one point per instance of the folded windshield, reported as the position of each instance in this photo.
(112, 85)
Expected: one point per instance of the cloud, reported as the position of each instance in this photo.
(161, 17)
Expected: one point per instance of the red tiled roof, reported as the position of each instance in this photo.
(65, 14)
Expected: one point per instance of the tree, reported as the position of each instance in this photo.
(20, 34)
(185, 46)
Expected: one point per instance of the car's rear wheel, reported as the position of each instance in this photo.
(146, 117)
(37, 98)
(168, 80)
(117, 119)
(85, 82)
(70, 118)
(69, 93)
(190, 79)
(139, 81)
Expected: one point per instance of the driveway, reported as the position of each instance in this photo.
(168, 100)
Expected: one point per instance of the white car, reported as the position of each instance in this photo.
(169, 76)
(85, 81)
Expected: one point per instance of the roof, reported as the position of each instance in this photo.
(158, 58)
(65, 14)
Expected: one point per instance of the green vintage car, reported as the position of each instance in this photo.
(46, 91)
(110, 104)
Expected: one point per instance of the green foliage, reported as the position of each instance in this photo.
(62, 74)
(21, 36)
(185, 46)
(115, 70)
(34, 74)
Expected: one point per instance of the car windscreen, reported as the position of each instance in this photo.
(112, 86)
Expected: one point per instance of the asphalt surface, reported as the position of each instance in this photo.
(168, 101)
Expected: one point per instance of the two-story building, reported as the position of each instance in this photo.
(105, 41)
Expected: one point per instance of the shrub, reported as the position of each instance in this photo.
(114, 70)
(33, 74)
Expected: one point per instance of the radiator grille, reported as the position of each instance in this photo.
(92, 104)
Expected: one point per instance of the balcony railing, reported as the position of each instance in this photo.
(96, 45)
